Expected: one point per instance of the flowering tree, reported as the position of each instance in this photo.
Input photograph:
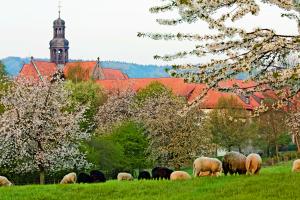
(37, 130)
(293, 122)
(173, 139)
(233, 50)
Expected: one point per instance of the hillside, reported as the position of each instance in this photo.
(274, 183)
(14, 64)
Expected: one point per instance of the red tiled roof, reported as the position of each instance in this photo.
(46, 70)
(175, 84)
(86, 68)
(189, 90)
(114, 74)
(239, 83)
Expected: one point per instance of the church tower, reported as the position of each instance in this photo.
(59, 46)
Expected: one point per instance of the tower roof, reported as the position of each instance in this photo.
(59, 22)
(59, 42)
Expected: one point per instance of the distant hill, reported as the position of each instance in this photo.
(13, 66)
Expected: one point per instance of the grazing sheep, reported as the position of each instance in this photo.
(161, 173)
(205, 166)
(180, 175)
(202, 174)
(296, 166)
(253, 163)
(4, 181)
(84, 178)
(69, 178)
(123, 176)
(233, 163)
(97, 176)
(144, 175)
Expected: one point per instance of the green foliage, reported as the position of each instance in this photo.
(272, 129)
(3, 83)
(230, 125)
(104, 153)
(131, 137)
(123, 148)
(154, 90)
(76, 74)
(87, 93)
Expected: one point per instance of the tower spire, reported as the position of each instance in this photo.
(59, 8)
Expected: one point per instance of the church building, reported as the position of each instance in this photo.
(113, 80)
(59, 60)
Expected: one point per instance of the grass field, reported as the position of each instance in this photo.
(274, 183)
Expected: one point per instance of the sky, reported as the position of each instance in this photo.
(108, 29)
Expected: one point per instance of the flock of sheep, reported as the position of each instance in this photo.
(233, 163)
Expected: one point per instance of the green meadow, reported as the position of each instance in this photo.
(276, 182)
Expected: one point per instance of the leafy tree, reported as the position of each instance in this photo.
(130, 136)
(272, 127)
(104, 153)
(122, 148)
(77, 74)
(230, 125)
(4, 84)
(173, 139)
(293, 123)
(3, 73)
(87, 93)
(232, 49)
(155, 89)
(37, 133)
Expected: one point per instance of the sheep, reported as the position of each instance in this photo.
(4, 181)
(296, 166)
(161, 173)
(180, 175)
(97, 176)
(84, 178)
(234, 163)
(253, 163)
(144, 175)
(205, 166)
(123, 176)
(69, 178)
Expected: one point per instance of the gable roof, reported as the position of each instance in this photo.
(114, 74)
(38, 70)
(177, 85)
(89, 68)
(191, 90)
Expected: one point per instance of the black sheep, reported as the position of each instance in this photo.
(97, 176)
(144, 175)
(161, 173)
(84, 178)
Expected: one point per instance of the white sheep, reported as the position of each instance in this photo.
(123, 176)
(69, 178)
(179, 175)
(296, 166)
(205, 166)
(4, 181)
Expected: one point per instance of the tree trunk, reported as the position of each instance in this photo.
(240, 149)
(297, 143)
(277, 152)
(42, 175)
